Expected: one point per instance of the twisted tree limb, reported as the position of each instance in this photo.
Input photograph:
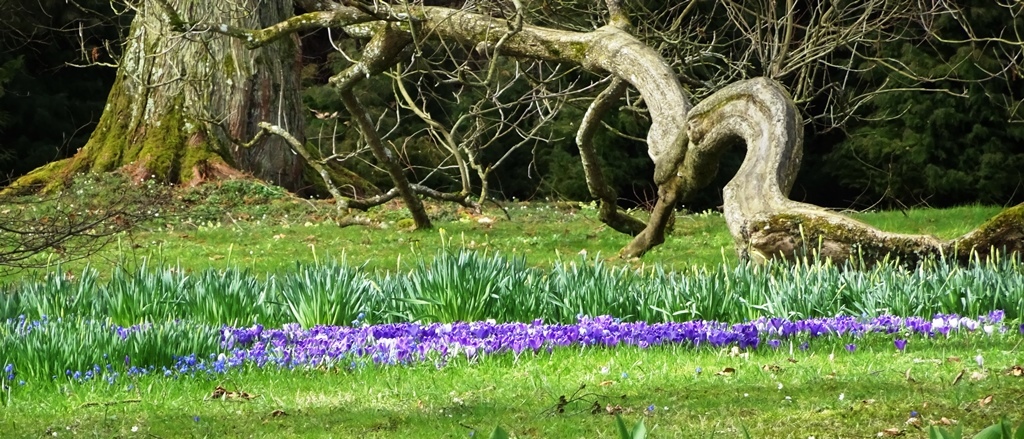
(766, 224)
(596, 182)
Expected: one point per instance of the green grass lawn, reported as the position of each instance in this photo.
(825, 392)
(542, 233)
(570, 393)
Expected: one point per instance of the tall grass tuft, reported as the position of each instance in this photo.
(331, 293)
(232, 296)
(463, 285)
(56, 348)
(59, 295)
(593, 288)
(466, 286)
(143, 295)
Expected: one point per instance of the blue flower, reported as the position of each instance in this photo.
(851, 347)
(901, 344)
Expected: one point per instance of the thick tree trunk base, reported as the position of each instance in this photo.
(166, 150)
(181, 100)
(796, 234)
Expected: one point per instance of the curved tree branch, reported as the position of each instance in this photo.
(380, 54)
(766, 224)
(596, 182)
(607, 49)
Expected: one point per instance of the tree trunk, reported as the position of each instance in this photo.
(609, 212)
(380, 54)
(180, 100)
(385, 157)
(766, 224)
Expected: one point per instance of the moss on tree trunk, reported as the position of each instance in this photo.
(179, 101)
(1002, 233)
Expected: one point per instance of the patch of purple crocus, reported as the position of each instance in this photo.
(293, 347)
(404, 343)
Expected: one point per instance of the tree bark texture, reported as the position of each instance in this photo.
(179, 101)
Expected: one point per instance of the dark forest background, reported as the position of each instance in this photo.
(962, 142)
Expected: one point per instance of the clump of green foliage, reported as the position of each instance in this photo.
(1000, 430)
(466, 285)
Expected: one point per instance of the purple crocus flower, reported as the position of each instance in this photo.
(325, 347)
(995, 316)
